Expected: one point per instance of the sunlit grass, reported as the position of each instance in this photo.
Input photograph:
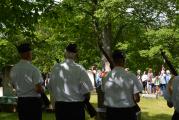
(152, 109)
(155, 109)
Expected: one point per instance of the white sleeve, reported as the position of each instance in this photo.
(37, 77)
(137, 85)
(85, 83)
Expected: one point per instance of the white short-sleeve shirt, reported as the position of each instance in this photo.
(69, 81)
(119, 88)
(24, 78)
(144, 77)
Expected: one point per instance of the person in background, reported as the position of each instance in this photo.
(98, 78)
(168, 76)
(149, 81)
(157, 84)
(121, 90)
(71, 86)
(51, 106)
(144, 81)
(94, 72)
(163, 82)
(27, 81)
(139, 76)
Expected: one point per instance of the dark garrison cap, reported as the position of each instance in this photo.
(25, 47)
(72, 48)
(117, 54)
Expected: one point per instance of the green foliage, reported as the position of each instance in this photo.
(7, 55)
(20, 15)
(165, 39)
(140, 29)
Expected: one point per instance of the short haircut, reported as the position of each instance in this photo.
(72, 48)
(25, 47)
(117, 56)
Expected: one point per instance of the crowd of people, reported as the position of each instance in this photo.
(70, 86)
(155, 83)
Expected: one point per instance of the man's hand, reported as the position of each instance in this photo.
(39, 88)
(136, 97)
(87, 96)
(169, 104)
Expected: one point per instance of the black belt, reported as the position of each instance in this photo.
(28, 98)
(68, 102)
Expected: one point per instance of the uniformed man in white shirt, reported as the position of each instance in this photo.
(121, 91)
(172, 96)
(70, 86)
(27, 81)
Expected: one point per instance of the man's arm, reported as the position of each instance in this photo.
(88, 106)
(136, 97)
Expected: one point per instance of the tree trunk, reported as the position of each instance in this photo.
(106, 42)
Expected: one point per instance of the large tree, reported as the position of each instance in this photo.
(140, 28)
(117, 24)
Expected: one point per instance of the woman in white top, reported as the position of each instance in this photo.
(144, 81)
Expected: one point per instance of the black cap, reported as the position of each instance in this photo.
(72, 48)
(25, 47)
(117, 54)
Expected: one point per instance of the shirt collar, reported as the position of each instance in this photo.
(24, 61)
(118, 67)
(69, 60)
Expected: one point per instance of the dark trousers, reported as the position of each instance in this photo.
(120, 114)
(69, 111)
(29, 108)
(175, 116)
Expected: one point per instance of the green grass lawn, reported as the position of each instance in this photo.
(152, 109)
(155, 109)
